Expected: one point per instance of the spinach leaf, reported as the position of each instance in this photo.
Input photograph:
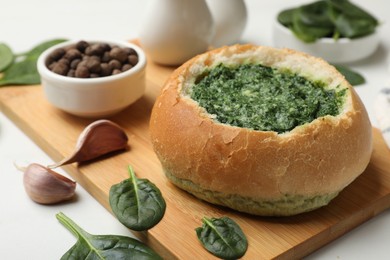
(354, 78)
(308, 22)
(37, 50)
(328, 18)
(24, 71)
(352, 27)
(350, 9)
(6, 56)
(90, 246)
(222, 237)
(316, 14)
(351, 20)
(286, 17)
(21, 73)
(305, 32)
(137, 203)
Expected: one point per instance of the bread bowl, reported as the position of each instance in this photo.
(257, 171)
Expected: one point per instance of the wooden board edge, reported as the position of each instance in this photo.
(332, 233)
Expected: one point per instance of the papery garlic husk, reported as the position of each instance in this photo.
(99, 138)
(45, 186)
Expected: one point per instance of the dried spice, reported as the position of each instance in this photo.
(91, 60)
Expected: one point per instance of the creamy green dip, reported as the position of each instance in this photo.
(263, 98)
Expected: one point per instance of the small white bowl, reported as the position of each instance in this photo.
(342, 50)
(93, 97)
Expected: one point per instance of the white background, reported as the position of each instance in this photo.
(31, 231)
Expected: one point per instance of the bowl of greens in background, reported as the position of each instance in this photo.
(336, 30)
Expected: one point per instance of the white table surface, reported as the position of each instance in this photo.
(31, 231)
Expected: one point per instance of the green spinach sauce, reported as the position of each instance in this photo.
(263, 98)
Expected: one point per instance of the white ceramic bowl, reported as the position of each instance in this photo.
(93, 97)
(342, 50)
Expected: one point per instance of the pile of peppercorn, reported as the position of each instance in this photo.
(91, 60)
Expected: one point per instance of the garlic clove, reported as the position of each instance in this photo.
(99, 138)
(45, 186)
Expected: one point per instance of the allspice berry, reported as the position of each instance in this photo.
(116, 71)
(71, 73)
(115, 64)
(126, 67)
(82, 72)
(133, 59)
(60, 68)
(72, 54)
(57, 54)
(74, 63)
(93, 65)
(91, 60)
(82, 45)
(118, 54)
(105, 69)
(94, 49)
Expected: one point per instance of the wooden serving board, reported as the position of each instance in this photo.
(174, 237)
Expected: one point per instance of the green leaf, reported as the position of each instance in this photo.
(37, 50)
(351, 27)
(328, 18)
(351, 20)
(21, 73)
(286, 17)
(90, 246)
(311, 22)
(24, 71)
(6, 56)
(350, 9)
(316, 15)
(137, 203)
(308, 33)
(353, 77)
(222, 237)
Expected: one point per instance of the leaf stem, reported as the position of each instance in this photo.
(135, 185)
(77, 231)
(212, 226)
(69, 224)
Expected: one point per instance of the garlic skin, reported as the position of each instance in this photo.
(45, 186)
(98, 138)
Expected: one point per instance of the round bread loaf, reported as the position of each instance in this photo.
(260, 172)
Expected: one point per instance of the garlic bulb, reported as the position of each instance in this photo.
(45, 186)
(99, 138)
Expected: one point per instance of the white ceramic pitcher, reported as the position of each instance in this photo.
(230, 18)
(174, 31)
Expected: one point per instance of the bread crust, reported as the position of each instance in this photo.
(316, 159)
